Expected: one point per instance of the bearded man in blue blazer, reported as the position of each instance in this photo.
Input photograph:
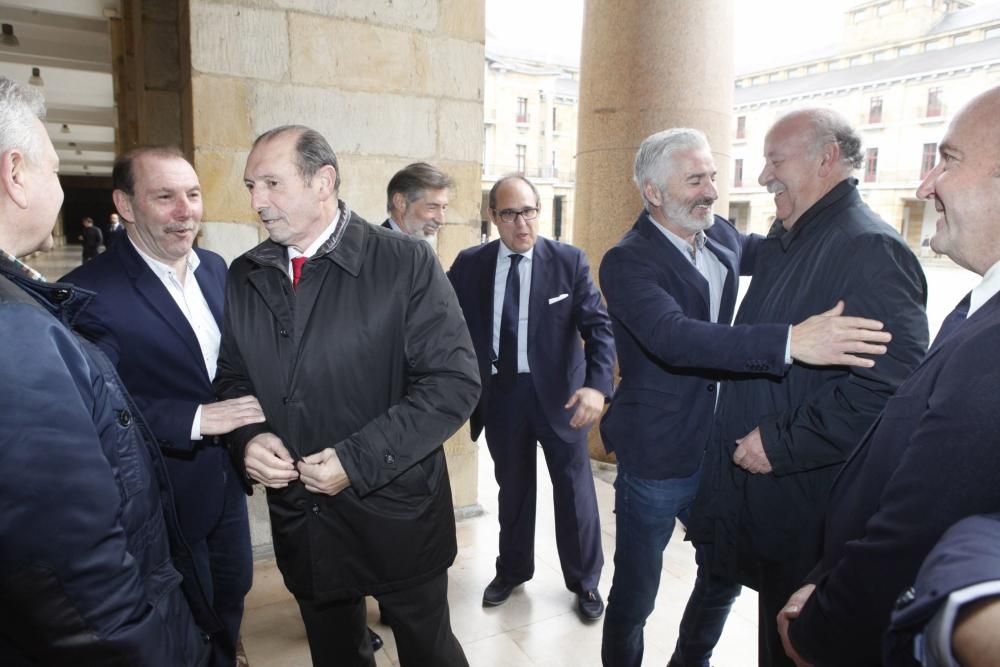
(157, 314)
(528, 301)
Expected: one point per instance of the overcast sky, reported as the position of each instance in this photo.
(766, 30)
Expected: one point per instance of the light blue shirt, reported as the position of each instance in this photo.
(705, 261)
(499, 289)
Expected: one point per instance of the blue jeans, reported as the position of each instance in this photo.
(645, 513)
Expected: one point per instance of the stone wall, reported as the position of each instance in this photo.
(388, 82)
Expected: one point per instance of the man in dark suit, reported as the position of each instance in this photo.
(116, 230)
(92, 239)
(417, 198)
(527, 301)
(671, 286)
(932, 456)
(157, 314)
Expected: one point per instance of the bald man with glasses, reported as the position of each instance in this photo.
(528, 302)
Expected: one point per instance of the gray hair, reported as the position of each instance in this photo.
(312, 151)
(654, 161)
(414, 180)
(829, 127)
(512, 177)
(19, 106)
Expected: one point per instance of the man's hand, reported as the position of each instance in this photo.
(750, 454)
(225, 416)
(268, 462)
(589, 403)
(830, 339)
(790, 611)
(322, 473)
(974, 639)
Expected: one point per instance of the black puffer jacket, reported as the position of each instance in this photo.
(86, 515)
(369, 355)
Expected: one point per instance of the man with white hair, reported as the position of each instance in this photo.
(671, 287)
(88, 517)
(778, 443)
(417, 198)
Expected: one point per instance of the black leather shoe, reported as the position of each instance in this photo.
(376, 640)
(590, 604)
(497, 592)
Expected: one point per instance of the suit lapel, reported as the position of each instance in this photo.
(542, 258)
(151, 290)
(681, 264)
(488, 271)
(210, 290)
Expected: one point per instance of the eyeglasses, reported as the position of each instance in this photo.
(509, 215)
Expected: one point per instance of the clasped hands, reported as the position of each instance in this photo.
(268, 462)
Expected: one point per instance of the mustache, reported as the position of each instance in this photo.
(704, 201)
(775, 187)
(179, 227)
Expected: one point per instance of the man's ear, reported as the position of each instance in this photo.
(12, 175)
(653, 195)
(327, 176)
(399, 201)
(831, 157)
(124, 206)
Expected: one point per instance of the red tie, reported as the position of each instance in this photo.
(297, 263)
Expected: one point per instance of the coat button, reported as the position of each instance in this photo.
(389, 458)
(60, 295)
(905, 598)
(315, 508)
(283, 332)
(711, 387)
(124, 418)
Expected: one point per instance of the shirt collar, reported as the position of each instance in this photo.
(317, 242)
(165, 271)
(786, 236)
(507, 252)
(393, 225)
(23, 268)
(681, 244)
(986, 289)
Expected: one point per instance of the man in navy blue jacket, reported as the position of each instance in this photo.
(89, 528)
(671, 286)
(528, 301)
(157, 315)
(933, 455)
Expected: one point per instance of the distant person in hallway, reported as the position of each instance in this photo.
(91, 238)
(354, 342)
(115, 230)
(933, 456)
(671, 286)
(89, 527)
(543, 342)
(157, 314)
(778, 443)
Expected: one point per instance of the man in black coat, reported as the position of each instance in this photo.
(778, 443)
(352, 339)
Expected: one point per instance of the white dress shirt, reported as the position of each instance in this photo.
(191, 301)
(314, 246)
(499, 289)
(986, 289)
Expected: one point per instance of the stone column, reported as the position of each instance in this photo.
(645, 67)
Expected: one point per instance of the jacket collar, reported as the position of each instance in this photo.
(62, 300)
(846, 191)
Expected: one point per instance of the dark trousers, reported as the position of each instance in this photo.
(515, 422)
(645, 515)
(225, 562)
(778, 582)
(338, 632)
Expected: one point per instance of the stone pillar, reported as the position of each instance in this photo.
(645, 67)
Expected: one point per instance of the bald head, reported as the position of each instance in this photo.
(964, 186)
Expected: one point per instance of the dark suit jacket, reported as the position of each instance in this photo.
(559, 363)
(670, 354)
(931, 458)
(386, 224)
(139, 326)
(968, 554)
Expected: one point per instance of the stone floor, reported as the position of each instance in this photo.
(537, 626)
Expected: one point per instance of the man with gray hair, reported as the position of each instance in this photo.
(417, 198)
(89, 524)
(671, 287)
(778, 443)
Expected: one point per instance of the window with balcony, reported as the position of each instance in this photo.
(875, 110)
(741, 127)
(521, 151)
(871, 165)
(522, 110)
(738, 173)
(928, 159)
(935, 105)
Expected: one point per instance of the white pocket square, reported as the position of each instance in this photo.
(557, 299)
